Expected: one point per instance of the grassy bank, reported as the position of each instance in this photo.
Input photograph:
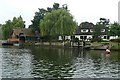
(103, 45)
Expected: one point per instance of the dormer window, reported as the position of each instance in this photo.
(102, 30)
(107, 25)
(84, 30)
(91, 30)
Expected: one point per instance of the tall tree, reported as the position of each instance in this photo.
(56, 6)
(41, 13)
(7, 28)
(102, 24)
(97, 31)
(0, 31)
(115, 29)
(37, 18)
(58, 22)
(18, 22)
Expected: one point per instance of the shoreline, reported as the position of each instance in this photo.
(92, 46)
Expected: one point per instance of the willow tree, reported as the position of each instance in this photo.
(58, 22)
(41, 13)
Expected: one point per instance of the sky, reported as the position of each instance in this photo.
(82, 10)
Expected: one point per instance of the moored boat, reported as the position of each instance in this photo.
(7, 44)
(107, 51)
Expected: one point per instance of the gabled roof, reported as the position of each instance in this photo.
(25, 31)
(86, 25)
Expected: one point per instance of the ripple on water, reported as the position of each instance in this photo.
(16, 63)
(22, 63)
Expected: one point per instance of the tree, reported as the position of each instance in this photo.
(103, 24)
(0, 31)
(58, 22)
(41, 13)
(37, 18)
(97, 32)
(55, 6)
(115, 29)
(18, 22)
(7, 28)
(104, 21)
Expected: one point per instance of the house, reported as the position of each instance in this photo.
(86, 29)
(85, 32)
(18, 32)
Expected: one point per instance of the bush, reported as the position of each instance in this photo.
(96, 40)
(115, 40)
(117, 46)
(76, 40)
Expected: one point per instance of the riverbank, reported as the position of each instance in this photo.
(91, 46)
(103, 45)
(68, 44)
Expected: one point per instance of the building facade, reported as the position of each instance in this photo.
(85, 31)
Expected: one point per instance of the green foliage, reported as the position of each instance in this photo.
(115, 40)
(18, 22)
(97, 32)
(115, 29)
(0, 31)
(98, 27)
(117, 46)
(96, 39)
(7, 28)
(58, 22)
(37, 18)
(41, 13)
(56, 6)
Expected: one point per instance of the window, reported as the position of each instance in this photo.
(72, 37)
(85, 37)
(81, 37)
(108, 37)
(105, 37)
(102, 30)
(84, 30)
(91, 30)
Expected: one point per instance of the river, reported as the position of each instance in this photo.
(48, 63)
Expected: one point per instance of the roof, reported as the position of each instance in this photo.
(25, 31)
(86, 25)
(89, 27)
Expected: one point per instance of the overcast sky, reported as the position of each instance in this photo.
(82, 10)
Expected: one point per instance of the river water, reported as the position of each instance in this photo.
(47, 63)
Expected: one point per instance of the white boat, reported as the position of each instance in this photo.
(16, 44)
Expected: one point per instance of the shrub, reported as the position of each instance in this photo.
(117, 46)
(115, 40)
(96, 40)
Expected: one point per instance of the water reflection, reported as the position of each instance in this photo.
(0, 64)
(96, 65)
(16, 63)
(59, 63)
